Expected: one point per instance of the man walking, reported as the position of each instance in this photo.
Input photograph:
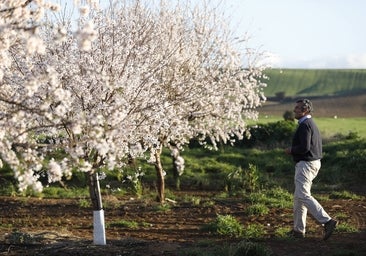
(306, 150)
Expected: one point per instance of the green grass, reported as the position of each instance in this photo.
(281, 232)
(343, 165)
(274, 197)
(315, 82)
(84, 202)
(345, 227)
(328, 126)
(225, 225)
(59, 192)
(162, 208)
(331, 126)
(257, 209)
(254, 231)
(344, 195)
(124, 224)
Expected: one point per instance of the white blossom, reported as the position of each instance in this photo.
(85, 167)
(179, 162)
(54, 172)
(29, 179)
(86, 36)
(76, 128)
(35, 45)
(144, 78)
(102, 176)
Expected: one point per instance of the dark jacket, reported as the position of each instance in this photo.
(307, 142)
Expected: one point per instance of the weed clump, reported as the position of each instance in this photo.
(225, 225)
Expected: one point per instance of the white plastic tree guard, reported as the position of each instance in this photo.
(99, 237)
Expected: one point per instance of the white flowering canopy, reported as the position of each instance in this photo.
(134, 77)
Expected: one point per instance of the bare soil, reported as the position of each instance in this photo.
(32, 226)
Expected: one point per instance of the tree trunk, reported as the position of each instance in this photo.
(94, 191)
(160, 176)
(98, 212)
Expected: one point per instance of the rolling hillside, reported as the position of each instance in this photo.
(334, 92)
(315, 82)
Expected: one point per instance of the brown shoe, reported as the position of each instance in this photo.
(329, 228)
(295, 234)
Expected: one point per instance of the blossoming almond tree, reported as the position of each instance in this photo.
(20, 115)
(140, 79)
(204, 91)
(33, 101)
(176, 74)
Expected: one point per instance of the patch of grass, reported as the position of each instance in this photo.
(7, 188)
(208, 203)
(281, 232)
(225, 225)
(145, 224)
(279, 197)
(222, 195)
(344, 162)
(330, 126)
(162, 208)
(350, 127)
(254, 231)
(344, 195)
(198, 201)
(320, 197)
(243, 179)
(170, 194)
(341, 216)
(257, 209)
(7, 225)
(124, 224)
(59, 192)
(345, 227)
(258, 197)
(84, 203)
(275, 197)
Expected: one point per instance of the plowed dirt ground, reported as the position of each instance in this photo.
(32, 226)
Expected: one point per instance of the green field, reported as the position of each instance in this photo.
(338, 96)
(331, 126)
(315, 82)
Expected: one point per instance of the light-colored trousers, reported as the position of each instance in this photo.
(305, 172)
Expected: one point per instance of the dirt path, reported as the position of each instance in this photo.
(62, 227)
